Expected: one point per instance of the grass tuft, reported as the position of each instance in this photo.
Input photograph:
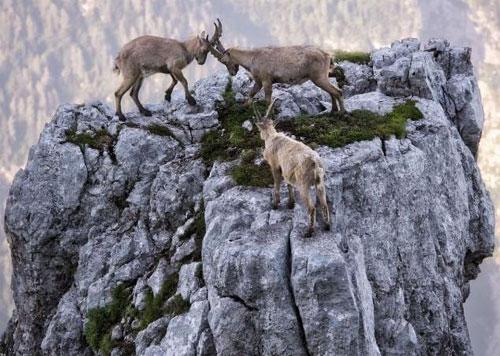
(177, 306)
(100, 320)
(358, 57)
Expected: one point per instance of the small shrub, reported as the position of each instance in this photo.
(354, 56)
(177, 306)
(153, 309)
(100, 320)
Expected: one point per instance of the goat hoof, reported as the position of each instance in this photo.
(309, 233)
(290, 205)
(328, 227)
(167, 97)
(146, 112)
(121, 117)
(191, 100)
(275, 206)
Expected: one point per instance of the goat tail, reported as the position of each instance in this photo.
(116, 68)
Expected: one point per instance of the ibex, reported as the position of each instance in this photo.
(147, 55)
(288, 65)
(297, 164)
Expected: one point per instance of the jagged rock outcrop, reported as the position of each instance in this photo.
(134, 205)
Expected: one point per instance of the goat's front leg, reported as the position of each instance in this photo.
(168, 92)
(177, 73)
(291, 197)
(255, 89)
(277, 182)
(306, 198)
(335, 93)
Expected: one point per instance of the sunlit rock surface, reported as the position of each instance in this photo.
(411, 223)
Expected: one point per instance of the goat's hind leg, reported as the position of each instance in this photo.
(291, 197)
(321, 194)
(122, 89)
(306, 198)
(134, 93)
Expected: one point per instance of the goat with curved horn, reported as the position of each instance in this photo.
(147, 55)
(288, 65)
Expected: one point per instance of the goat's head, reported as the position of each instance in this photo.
(265, 124)
(205, 44)
(223, 55)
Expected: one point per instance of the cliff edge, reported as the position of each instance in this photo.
(134, 238)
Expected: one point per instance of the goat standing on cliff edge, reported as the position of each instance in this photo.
(147, 55)
(288, 65)
(297, 164)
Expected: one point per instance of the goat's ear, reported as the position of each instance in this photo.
(260, 125)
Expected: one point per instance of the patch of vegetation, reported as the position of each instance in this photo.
(228, 142)
(101, 320)
(358, 57)
(338, 74)
(159, 130)
(177, 306)
(334, 130)
(99, 140)
(155, 306)
(341, 129)
(253, 175)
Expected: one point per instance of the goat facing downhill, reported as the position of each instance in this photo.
(287, 65)
(298, 165)
(147, 55)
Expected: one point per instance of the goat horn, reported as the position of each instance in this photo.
(270, 108)
(256, 112)
(215, 52)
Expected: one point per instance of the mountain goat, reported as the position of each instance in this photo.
(288, 65)
(297, 164)
(147, 55)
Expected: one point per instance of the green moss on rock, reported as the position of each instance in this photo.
(358, 57)
(338, 130)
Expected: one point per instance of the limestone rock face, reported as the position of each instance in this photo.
(135, 206)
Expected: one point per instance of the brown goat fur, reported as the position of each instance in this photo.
(147, 55)
(288, 65)
(298, 165)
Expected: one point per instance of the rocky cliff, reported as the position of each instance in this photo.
(126, 239)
